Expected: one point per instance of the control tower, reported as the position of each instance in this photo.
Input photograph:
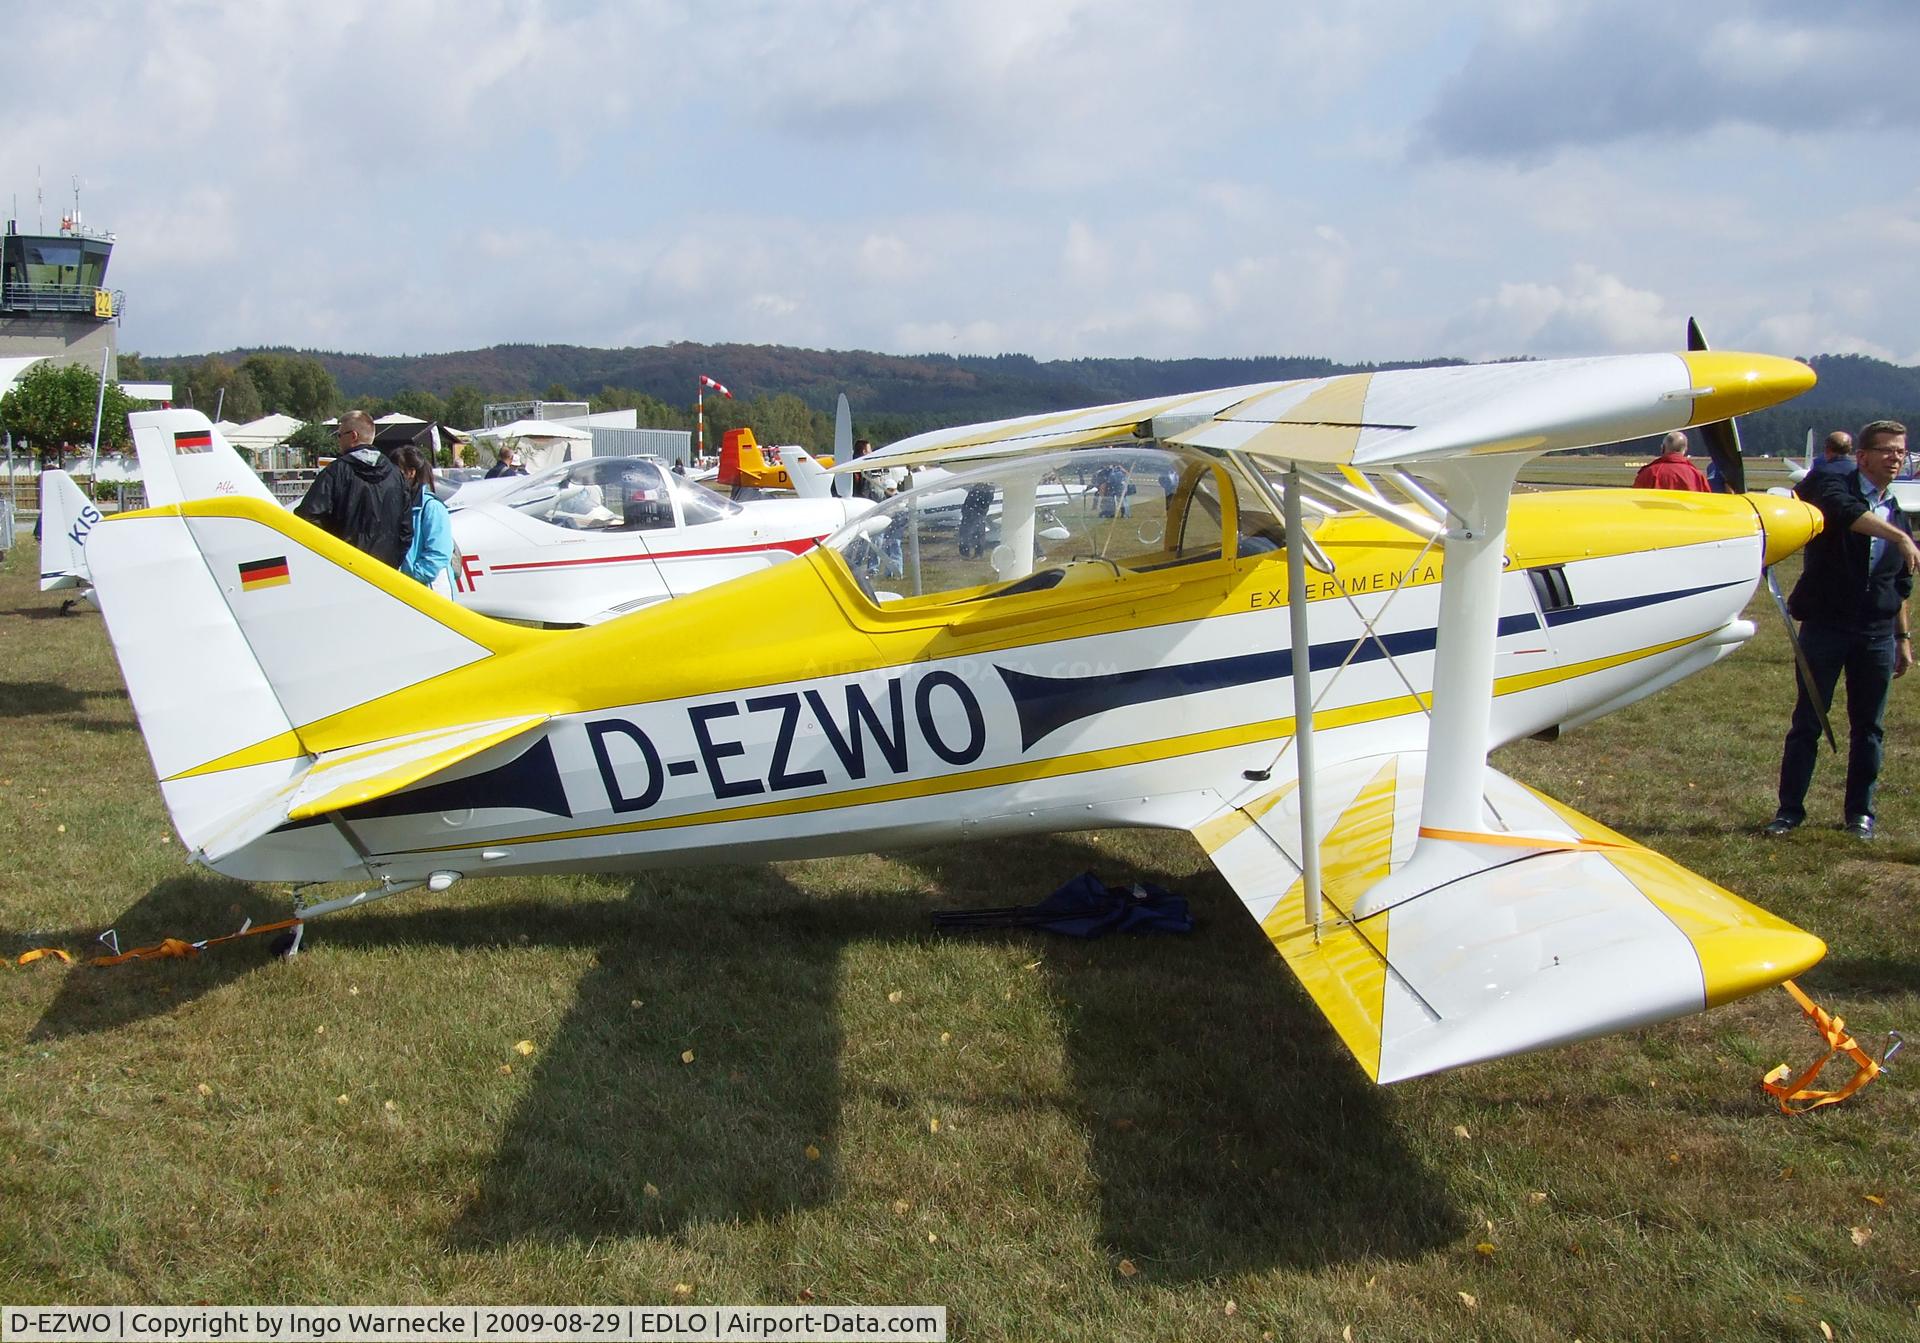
(53, 295)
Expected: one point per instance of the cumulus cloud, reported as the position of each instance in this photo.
(1060, 177)
(1588, 313)
(1600, 73)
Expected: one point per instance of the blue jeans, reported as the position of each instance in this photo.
(1867, 659)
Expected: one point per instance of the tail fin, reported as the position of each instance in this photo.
(239, 627)
(810, 479)
(730, 445)
(182, 456)
(67, 519)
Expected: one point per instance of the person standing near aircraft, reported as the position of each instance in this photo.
(1839, 453)
(360, 497)
(1671, 470)
(874, 485)
(1851, 602)
(432, 548)
(507, 464)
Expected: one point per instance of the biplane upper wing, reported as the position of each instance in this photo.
(1403, 415)
(1549, 928)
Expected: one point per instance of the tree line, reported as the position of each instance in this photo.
(786, 394)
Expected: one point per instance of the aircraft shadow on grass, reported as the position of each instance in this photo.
(88, 1002)
(1229, 1128)
(29, 699)
(43, 611)
(1226, 1126)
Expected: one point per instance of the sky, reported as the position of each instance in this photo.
(1363, 180)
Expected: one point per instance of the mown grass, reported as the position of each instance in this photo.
(1561, 469)
(1135, 1139)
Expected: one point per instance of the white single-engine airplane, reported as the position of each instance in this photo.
(583, 542)
(1301, 665)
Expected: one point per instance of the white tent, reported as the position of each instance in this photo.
(540, 443)
(263, 435)
(266, 432)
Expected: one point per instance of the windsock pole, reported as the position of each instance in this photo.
(700, 406)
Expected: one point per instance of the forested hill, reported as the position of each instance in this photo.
(898, 394)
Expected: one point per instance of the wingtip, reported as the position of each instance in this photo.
(1735, 962)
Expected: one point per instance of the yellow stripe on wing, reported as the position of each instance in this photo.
(1742, 948)
(1344, 969)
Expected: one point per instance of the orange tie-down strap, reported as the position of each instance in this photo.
(1505, 841)
(165, 947)
(1798, 1096)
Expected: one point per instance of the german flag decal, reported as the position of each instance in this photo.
(264, 573)
(193, 440)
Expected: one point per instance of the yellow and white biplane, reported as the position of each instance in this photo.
(1318, 607)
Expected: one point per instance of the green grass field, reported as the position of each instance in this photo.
(1130, 1139)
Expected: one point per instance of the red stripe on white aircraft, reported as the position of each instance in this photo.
(799, 545)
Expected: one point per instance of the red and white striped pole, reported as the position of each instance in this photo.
(700, 407)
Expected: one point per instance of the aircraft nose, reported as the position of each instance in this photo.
(1787, 522)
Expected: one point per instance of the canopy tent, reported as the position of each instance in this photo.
(258, 435)
(540, 443)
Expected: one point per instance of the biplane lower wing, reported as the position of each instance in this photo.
(1547, 928)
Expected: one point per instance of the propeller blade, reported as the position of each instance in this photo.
(1800, 659)
(1722, 437)
(843, 445)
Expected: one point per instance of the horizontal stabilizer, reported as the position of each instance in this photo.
(354, 775)
(347, 778)
(1544, 928)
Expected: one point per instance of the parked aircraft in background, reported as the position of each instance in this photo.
(67, 519)
(1302, 665)
(746, 465)
(583, 542)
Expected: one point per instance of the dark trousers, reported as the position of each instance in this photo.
(1867, 659)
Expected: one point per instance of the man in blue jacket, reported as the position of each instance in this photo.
(1851, 602)
(1836, 453)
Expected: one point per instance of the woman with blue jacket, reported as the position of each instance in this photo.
(432, 550)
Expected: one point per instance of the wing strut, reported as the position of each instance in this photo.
(1478, 491)
(1302, 645)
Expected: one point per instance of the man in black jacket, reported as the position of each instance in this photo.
(361, 497)
(1851, 602)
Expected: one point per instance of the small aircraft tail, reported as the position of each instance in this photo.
(810, 479)
(738, 453)
(67, 519)
(245, 634)
(182, 456)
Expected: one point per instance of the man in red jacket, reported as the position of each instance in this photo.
(1671, 470)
